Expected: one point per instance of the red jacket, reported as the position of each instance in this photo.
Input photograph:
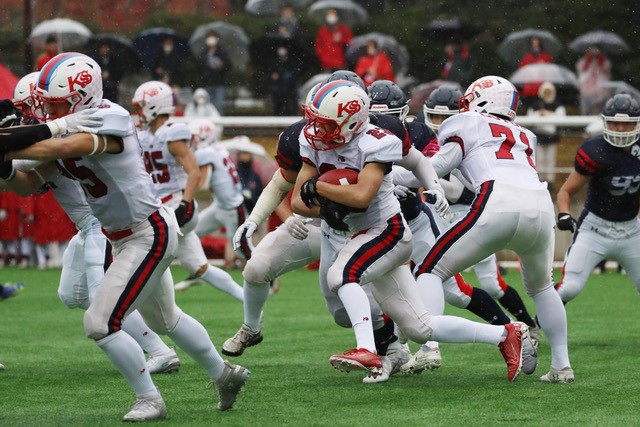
(330, 46)
(372, 68)
(531, 89)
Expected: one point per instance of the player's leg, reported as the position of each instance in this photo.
(208, 220)
(72, 288)
(625, 251)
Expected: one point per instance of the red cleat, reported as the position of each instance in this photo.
(357, 359)
(511, 349)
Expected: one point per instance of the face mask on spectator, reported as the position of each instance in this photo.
(332, 19)
(167, 48)
(211, 41)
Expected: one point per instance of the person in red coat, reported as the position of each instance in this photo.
(50, 50)
(535, 55)
(374, 65)
(50, 241)
(331, 42)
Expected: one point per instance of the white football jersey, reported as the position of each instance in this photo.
(224, 182)
(486, 148)
(165, 170)
(374, 144)
(117, 187)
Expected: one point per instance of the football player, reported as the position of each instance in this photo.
(101, 151)
(608, 227)
(512, 210)
(175, 173)
(365, 239)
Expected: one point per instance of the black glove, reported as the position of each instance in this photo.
(9, 114)
(333, 213)
(185, 211)
(308, 193)
(566, 222)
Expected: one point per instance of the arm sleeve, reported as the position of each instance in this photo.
(421, 168)
(447, 159)
(275, 191)
(401, 176)
(19, 137)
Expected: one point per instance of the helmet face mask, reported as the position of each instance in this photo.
(442, 103)
(491, 95)
(23, 98)
(621, 119)
(152, 99)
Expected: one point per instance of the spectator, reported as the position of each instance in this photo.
(374, 65)
(216, 66)
(331, 42)
(112, 72)
(594, 68)
(458, 64)
(545, 105)
(251, 182)
(287, 26)
(201, 105)
(535, 55)
(284, 84)
(168, 66)
(50, 50)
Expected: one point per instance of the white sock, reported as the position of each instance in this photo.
(223, 281)
(459, 330)
(192, 337)
(254, 298)
(147, 339)
(356, 304)
(128, 358)
(553, 321)
(430, 287)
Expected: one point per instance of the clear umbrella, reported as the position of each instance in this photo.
(538, 73)
(69, 33)
(349, 12)
(272, 7)
(233, 40)
(516, 44)
(397, 53)
(608, 42)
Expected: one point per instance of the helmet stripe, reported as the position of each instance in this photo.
(514, 100)
(50, 68)
(326, 89)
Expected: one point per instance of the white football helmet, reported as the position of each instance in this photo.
(338, 112)
(204, 133)
(71, 79)
(493, 95)
(151, 100)
(312, 93)
(22, 95)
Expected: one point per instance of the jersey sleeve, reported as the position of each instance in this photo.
(204, 156)
(452, 131)
(116, 120)
(591, 157)
(178, 132)
(307, 154)
(395, 126)
(288, 153)
(378, 145)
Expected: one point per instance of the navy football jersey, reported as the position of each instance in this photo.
(288, 155)
(615, 178)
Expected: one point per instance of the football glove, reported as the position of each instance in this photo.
(334, 213)
(566, 222)
(242, 243)
(431, 149)
(83, 121)
(296, 226)
(184, 212)
(439, 202)
(9, 114)
(403, 193)
(308, 193)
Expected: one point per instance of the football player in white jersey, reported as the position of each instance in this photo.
(101, 151)
(365, 239)
(512, 210)
(175, 173)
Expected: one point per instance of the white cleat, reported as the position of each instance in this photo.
(229, 385)
(245, 337)
(1, 367)
(164, 363)
(534, 333)
(186, 284)
(423, 359)
(529, 352)
(147, 410)
(391, 364)
(561, 376)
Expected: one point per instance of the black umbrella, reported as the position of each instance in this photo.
(516, 44)
(608, 42)
(397, 53)
(349, 12)
(232, 38)
(446, 29)
(121, 49)
(148, 44)
(272, 7)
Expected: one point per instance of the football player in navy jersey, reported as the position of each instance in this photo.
(608, 226)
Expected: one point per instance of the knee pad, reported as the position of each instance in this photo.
(72, 302)
(419, 332)
(341, 318)
(334, 279)
(258, 269)
(93, 327)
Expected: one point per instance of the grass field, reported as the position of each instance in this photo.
(57, 377)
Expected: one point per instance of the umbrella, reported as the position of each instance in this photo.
(309, 84)
(148, 44)
(516, 44)
(449, 29)
(618, 87)
(420, 93)
(233, 40)
(69, 33)
(121, 49)
(608, 42)
(243, 143)
(538, 73)
(397, 53)
(272, 7)
(349, 12)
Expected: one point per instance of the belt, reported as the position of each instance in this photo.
(117, 235)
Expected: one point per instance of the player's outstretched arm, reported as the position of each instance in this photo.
(183, 154)
(76, 145)
(574, 183)
(276, 190)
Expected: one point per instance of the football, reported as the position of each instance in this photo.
(340, 177)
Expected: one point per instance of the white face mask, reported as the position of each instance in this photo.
(167, 48)
(282, 52)
(332, 19)
(211, 41)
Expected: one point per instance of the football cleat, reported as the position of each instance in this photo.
(229, 385)
(11, 290)
(423, 359)
(187, 283)
(391, 364)
(146, 410)
(534, 333)
(164, 363)
(512, 350)
(357, 359)
(1, 367)
(562, 376)
(245, 337)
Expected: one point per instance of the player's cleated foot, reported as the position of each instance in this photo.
(187, 283)
(1, 367)
(529, 353)
(245, 337)
(274, 287)
(164, 363)
(423, 359)
(229, 385)
(147, 410)
(11, 290)
(562, 376)
(391, 364)
(512, 349)
(357, 359)
(535, 333)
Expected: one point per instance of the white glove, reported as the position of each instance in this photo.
(244, 233)
(296, 226)
(83, 121)
(439, 202)
(402, 192)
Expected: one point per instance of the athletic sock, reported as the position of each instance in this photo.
(147, 339)
(485, 307)
(254, 298)
(553, 321)
(513, 303)
(223, 281)
(356, 304)
(459, 330)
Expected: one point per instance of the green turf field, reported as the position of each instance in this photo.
(56, 376)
